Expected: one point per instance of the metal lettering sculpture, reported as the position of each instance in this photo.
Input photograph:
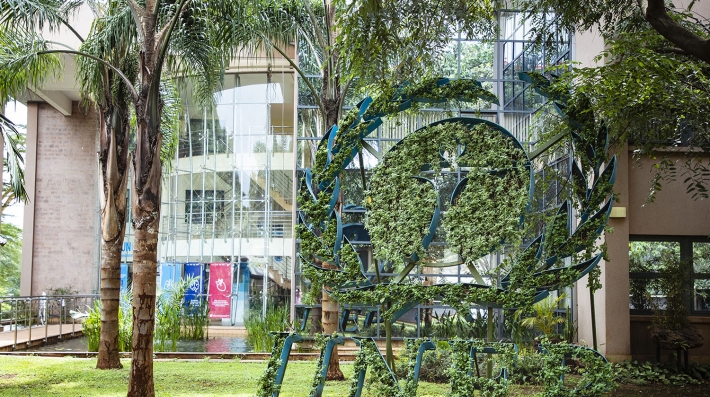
(491, 158)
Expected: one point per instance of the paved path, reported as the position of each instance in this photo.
(38, 334)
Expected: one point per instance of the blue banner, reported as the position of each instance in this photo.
(169, 275)
(242, 287)
(195, 271)
(124, 277)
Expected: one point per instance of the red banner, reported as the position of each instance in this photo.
(220, 289)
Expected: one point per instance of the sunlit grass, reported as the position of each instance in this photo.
(42, 376)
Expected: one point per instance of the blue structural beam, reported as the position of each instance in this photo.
(428, 345)
(325, 359)
(285, 352)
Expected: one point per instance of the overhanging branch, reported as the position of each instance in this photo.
(674, 32)
(129, 83)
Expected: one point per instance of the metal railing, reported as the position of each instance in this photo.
(37, 312)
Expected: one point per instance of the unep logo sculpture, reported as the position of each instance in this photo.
(410, 199)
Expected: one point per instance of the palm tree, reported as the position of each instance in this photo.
(105, 86)
(187, 38)
(194, 39)
(103, 89)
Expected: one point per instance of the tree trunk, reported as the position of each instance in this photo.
(144, 274)
(144, 285)
(389, 355)
(114, 178)
(145, 202)
(330, 326)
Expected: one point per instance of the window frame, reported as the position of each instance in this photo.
(686, 253)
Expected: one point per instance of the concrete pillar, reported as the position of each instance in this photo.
(29, 216)
(612, 300)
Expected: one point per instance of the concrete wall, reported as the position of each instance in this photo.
(673, 212)
(61, 219)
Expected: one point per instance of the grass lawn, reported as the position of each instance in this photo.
(44, 376)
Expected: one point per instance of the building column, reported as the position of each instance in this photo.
(29, 216)
(612, 300)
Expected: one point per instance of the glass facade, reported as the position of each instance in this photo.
(228, 196)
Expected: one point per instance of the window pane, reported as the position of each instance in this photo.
(701, 257)
(645, 261)
(701, 301)
(701, 286)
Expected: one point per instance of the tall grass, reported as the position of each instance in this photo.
(92, 327)
(258, 327)
(195, 321)
(92, 324)
(167, 317)
(125, 321)
(175, 321)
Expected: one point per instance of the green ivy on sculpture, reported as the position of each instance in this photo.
(404, 204)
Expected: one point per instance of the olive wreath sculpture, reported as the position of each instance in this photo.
(484, 211)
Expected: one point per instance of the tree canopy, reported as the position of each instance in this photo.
(653, 89)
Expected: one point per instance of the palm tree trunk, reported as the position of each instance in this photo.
(145, 202)
(114, 170)
(108, 357)
(330, 326)
(144, 285)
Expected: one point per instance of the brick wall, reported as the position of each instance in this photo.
(66, 204)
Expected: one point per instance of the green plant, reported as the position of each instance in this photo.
(259, 328)
(570, 330)
(435, 364)
(92, 324)
(125, 321)
(544, 319)
(266, 385)
(527, 367)
(58, 291)
(92, 327)
(168, 315)
(462, 362)
(450, 325)
(674, 273)
(639, 373)
(195, 321)
(594, 375)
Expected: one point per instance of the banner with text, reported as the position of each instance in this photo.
(220, 289)
(195, 272)
(169, 275)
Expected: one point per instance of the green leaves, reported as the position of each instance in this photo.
(381, 40)
(486, 211)
(20, 64)
(14, 158)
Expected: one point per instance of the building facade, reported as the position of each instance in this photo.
(229, 196)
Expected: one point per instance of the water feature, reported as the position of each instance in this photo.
(218, 344)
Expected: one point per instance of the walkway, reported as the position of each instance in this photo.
(38, 333)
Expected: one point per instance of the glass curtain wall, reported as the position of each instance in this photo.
(228, 197)
(494, 61)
